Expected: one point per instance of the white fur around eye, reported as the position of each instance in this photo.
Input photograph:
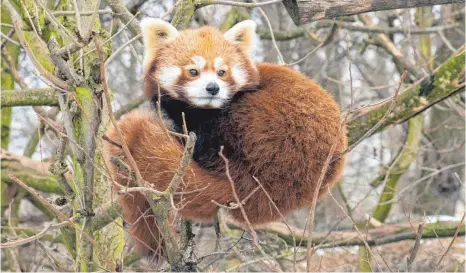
(196, 91)
(168, 76)
(199, 62)
(239, 75)
(219, 63)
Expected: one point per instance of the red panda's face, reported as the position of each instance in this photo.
(202, 67)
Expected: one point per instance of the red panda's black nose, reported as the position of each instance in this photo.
(212, 88)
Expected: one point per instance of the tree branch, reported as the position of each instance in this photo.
(31, 172)
(384, 41)
(18, 25)
(264, 33)
(303, 11)
(29, 97)
(125, 16)
(446, 80)
(377, 236)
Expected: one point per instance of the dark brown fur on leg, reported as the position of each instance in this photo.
(158, 156)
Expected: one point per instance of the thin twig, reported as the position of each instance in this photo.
(113, 36)
(91, 21)
(417, 243)
(355, 227)
(380, 122)
(59, 26)
(310, 220)
(293, 235)
(324, 42)
(83, 13)
(78, 18)
(135, 38)
(266, 18)
(238, 201)
(108, 103)
(9, 39)
(460, 225)
(58, 267)
(60, 214)
(34, 237)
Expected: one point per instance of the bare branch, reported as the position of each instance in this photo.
(301, 32)
(377, 236)
(202, 3)
(60, 214)
(84, 13)
(125, 16)
(457, 232)
(34, 237)
(417, 242)
(303, 11)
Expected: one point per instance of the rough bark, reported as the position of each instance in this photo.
(446, 80)
(377, 236)
(32, 97)
(35, 174)
(303, 11)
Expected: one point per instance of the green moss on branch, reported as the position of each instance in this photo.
(30, 97)
(377, 236)
(400, 166)
(447, 80)
(183, 13)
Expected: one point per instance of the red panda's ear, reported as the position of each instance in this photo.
(242, 33)
(155, 32)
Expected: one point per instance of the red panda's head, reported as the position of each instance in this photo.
(202, 67)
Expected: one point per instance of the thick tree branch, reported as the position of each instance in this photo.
(183, 13)
(377, 236)
(35, 174)
(303, 11)
(446, 80)
(29, 97)
(105, 214)
(125, 16)
(264, 33)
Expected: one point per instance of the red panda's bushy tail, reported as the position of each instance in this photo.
(157, 156)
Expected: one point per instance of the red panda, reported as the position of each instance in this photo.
(276, 125)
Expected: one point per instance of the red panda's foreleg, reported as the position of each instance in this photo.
(157, 156)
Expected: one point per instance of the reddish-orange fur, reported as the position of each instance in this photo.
(285, 130)
(158, 158)
(207, 42)
(281, 134)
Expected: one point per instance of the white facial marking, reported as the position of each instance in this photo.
(196, 91)
(199, 62)
(239, 75)
(219, 64)
(168, 76)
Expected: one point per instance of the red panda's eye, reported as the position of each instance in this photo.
(220, 73)
(193, 72)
